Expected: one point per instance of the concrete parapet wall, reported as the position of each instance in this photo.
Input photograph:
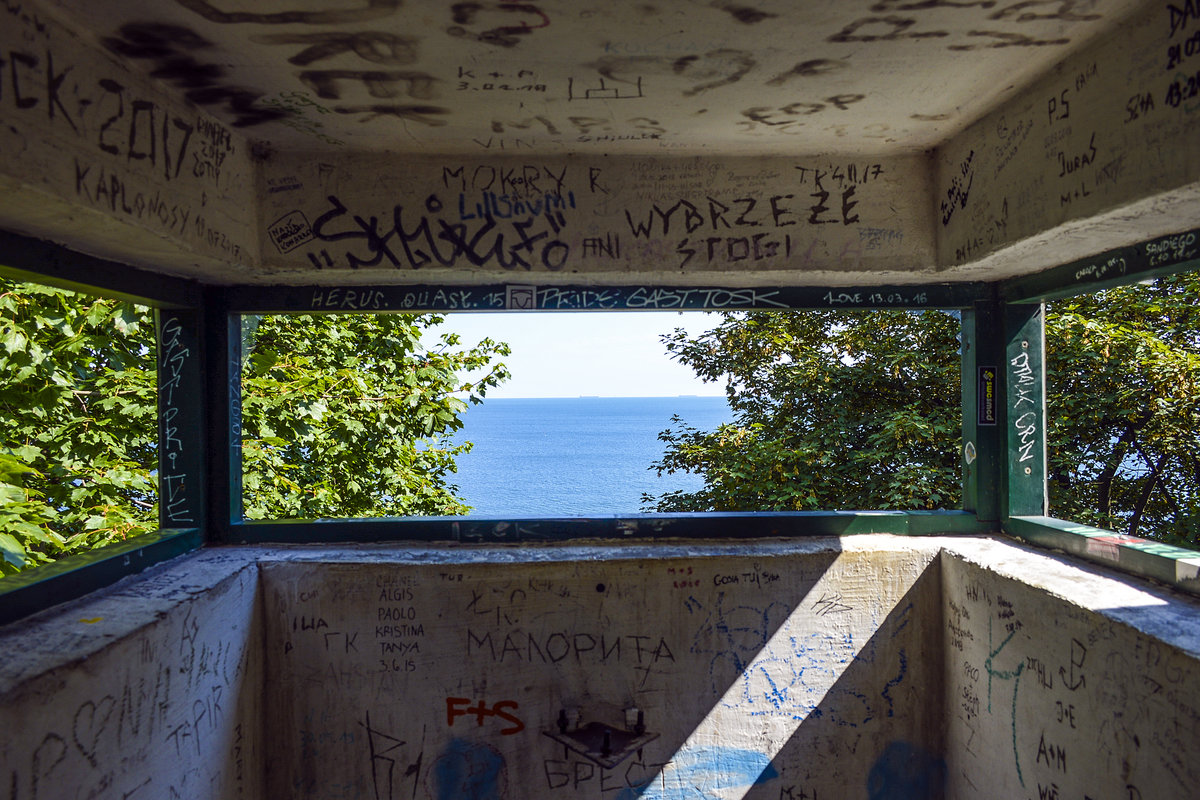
(1065, 682)
(152, 689)
(794, 669)
(854, 667)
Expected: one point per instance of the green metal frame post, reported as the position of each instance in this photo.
(181, 445)
(984, 445)
(1025, 379)
(223, 424)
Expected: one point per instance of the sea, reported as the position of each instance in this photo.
(579, 456)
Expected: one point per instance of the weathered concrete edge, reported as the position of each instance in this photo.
(75, 631)
(1174, 566)
(1162, 612)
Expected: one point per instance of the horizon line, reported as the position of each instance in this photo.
(604, 397)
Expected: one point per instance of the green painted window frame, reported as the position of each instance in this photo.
(1023, 302)
(27, 259)
(1004, 465)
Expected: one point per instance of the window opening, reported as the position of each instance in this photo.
(1123, 371)
(78, 400)
(831, 410)
(352, 415)
(575, 430)
(375, 421)
(370, 415)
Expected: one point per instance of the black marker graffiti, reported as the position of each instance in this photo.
(1068, 164)
(370, 10)
(289, 231)
(107, 189)
(505, 35)
(433, 239)
(171, 50)
(711, 70)
(1180, 17)
(377, 47)
(960, 189)
(808, 69)
(882, 29)
(326, 82)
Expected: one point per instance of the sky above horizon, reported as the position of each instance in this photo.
(585, 353)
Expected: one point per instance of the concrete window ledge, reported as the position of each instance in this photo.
(865, 666)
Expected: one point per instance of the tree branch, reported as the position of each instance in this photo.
(1109, 473)
(1148, 489)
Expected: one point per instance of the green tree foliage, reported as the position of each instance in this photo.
(350, 416)
(831, 410)
(1124, 405)
(861, 410)
(77, 400)
(342, 416)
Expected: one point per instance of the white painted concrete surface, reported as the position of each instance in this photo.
(921, 142)
(871, 666)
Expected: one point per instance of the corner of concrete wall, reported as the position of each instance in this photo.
(1099, 153)
(107, 161)
(1065, 680)
(152, 688)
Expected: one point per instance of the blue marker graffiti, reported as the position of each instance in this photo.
(896, 681)
(1013, 675)
(734, 636)
(703, 773)
(791, 676)
(468, 769)
(906, 772)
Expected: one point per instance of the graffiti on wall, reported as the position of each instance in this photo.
(174, 357)
(1081, 137)
(1057, 697)
(171, 693)
(553, 683)
(563, 217)
(135, 156)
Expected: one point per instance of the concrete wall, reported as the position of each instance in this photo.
(1100, 152)
(871, 666)
(1063, 682)
(151, 690)
(798, 669)
(100, 157)
(108, 146)
(538, 219)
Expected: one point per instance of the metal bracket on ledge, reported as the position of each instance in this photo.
(600, 743)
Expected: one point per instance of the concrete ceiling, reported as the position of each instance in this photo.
(731, 142)
(688, 77)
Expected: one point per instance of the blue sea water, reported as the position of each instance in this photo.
(573, 456)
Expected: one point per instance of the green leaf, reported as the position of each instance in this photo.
(13, 340)
(263, 360)
(13, 470)
(12, 550)
(11, 494)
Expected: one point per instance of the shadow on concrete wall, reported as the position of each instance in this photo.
(800, 675)
(806, 706)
